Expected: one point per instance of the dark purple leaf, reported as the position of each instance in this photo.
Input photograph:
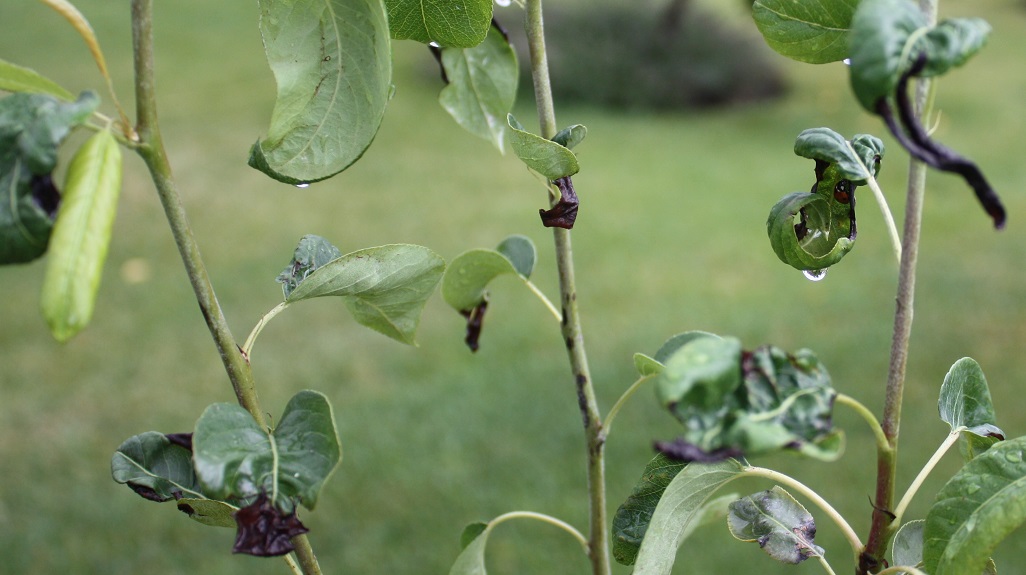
(264, 530)
(680, 450)
(180, 439)
(564, 213)
(475, 321)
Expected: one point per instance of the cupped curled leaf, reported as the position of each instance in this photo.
(548, 158)
(264, 530)
(778, 523)
(32, 126)
(981, 505)
(81, 236)
(155, 468)
(385, 287)
(332, 62)
(837, 159)
(311, 254)
(456, 23)
(966, 406)
(811, 32)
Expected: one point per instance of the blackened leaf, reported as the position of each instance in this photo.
(264, 530)
(475, 322)
(482, 86)
(459, 23)
(155, 468)
(812, 32)
(14, 78)
(546, 157)
(32, 126)
(633, 516)
(564, 213)
(779, 524)
(966, 406)
(880, 31)
(332, 62)
(311, 253)
(385, 287)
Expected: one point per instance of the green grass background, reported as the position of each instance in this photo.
(670, 237)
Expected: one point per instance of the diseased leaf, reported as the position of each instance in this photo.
(155, 468)
(880, 31)
(951, 43)
(546, 157)
(311, 254)
(208, 511)
(32, 126)
(14, 78)
(980, 506)
(457, 23)
(633, 516)
(812, 32)
(482, 86)
(332, 63)
(81, 236)
(564, 213)
(264, 530)
(385, 288)
(907, 547)
(682, 504)
(779, 524)
(826, 145)
(234, 456)
(966, 406)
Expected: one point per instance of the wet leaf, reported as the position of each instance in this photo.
(966, 406)
(81, 236)
(683, 503)
(332, 63)
(812, 32)
(14, 78)
(311, 254)
(385, 287)
(546, 157)
(779, 524)
(471, 560)
(155, 468)
(456, 23)
(980, 506)
(633, 516)
(826, 145)
(32, 126)
(234, 456)
(465, 282)
(264, 530)
(907, 547)
(482, 86)
(880, 31)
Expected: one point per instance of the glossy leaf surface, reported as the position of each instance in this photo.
(81, 236)
(235, 457)
(845, 161)
(965, 405)
(981, 505)
(681, 504)
(482, 86)
(781, 526)
(385, 288)
(155, 468)
(880, 31)
(456, 23)
(14, 78)
(546, 157)
(332, 63)
(32, 126)
(812, 32)
(312, 253)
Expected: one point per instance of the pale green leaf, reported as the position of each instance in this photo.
(471, 560)
(332, 62)
(467, 277)
(209, 511)
(966, 406)
(645, 365)
(781, 526)
(457, 23)
(813, 32)
(385, 288)
(14, 78)
(546, 157)
(907, 546)
(482, 86)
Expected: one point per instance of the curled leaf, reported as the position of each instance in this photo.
(546, 157)
(155, 468)
(312, 253)
(564, 213)
(264, 530)
(778, 523)
(966, 406)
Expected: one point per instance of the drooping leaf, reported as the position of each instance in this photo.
(264, 530)
(778, 523)
(14, 78)
(32, 126)
(812, 32)
(385, 288)
(465, 282)
(81, 236)
(456, 23)
(482, 86)
(980, 506)
(311, 253)
(951, 43)
(332, 62)
(683, 503)
(966, 406)
(546, 157)
(880, 30)
(155, 468)
(234, 456)
(564, 213)
(471, 560)
(570, 136)
(826, 145)
(907, 547)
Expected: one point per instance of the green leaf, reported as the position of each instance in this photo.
(470, 533)
(826, 145)
(456, 23)
(311, 253)
(81, 236)
(633, 516)
(812, 32)
(830, 239)
(155, 468)
(235, 457)
(570, 136)
(209, 511)
(471, 560)
(966, 406)
(703, 372)
(385, 288)
(14, 78)
(332, 62)
(520, 251)
(780, 525)
(645, 365)
(682, 504)
(980, 506)
(907, 547)
(880, 31)
(467, 277)
(482, 86)
(951, 43)
(546, 157)
(32, 126)
(678, 341)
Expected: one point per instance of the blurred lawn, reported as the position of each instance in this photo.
(670, 237)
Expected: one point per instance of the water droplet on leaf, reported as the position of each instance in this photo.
(1014, 456)
(502, 3)
(303, 185)
(847, 61)
(814, 275)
